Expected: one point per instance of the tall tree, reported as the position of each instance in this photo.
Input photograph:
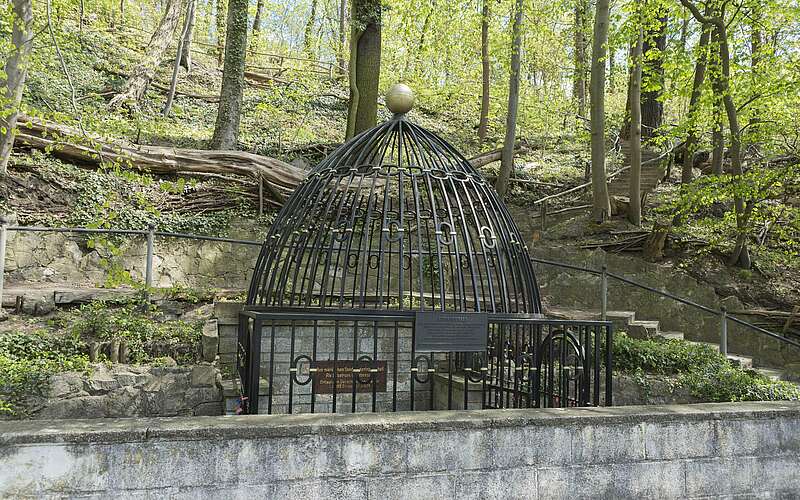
(257, 19)
(601, 207)
(635, 98)
(186, 46)
(365, 65)
(581, 43)
(226, 130)
(308, 36)
(483, 124)
(221, 18)
(694, 99)
(507, 158)
(187, 26)
(16, 69)
(341, 50)
(740, 255)
(143, 73)
(655, 43)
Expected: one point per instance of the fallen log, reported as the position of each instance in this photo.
(280, 178)
(487, 157)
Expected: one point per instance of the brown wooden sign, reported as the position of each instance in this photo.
(323, 377)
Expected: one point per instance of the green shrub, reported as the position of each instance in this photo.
(28, 360)
(699, 368)
(136, 325)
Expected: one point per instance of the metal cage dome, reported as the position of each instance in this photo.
(395, 219)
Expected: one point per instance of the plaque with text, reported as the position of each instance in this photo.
(324, 378)
(437, 331)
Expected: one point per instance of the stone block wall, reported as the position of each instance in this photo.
(742, 450)
(131, 391)
(63, 258)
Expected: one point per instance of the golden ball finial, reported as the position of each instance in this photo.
(400, 99)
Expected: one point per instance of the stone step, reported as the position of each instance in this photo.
(643, 328)
(745, 362)
(672, 335)
(770, 373)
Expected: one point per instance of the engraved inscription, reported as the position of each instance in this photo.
(451, 331)
(324, 379)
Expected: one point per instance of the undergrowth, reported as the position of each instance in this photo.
(700, 368)
(29, 359)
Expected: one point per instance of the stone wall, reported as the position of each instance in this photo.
(564, 288)
(62, 258)
(131, 391)
(698, 451)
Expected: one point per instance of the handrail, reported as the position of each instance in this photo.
(151, 232)
(608, 178)
(723, 312)
(140, 232)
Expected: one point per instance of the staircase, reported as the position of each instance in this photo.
(626, 321)
(652, 174)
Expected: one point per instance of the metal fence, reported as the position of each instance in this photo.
(150, 234)
(349, 361)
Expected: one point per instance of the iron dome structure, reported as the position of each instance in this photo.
(395, 246)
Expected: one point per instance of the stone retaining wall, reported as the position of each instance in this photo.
(62, 258)
(694, 451)
(131, 391)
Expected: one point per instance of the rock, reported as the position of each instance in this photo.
(130, 379)
(204, 376)
(620, 205)
(209, 409)
(209, 340)
(202, 313)
(82, 407)
(65, 384)
(3, 314)
(101, 380)
(124, 402)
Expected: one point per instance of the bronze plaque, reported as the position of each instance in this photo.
(323, 377)
(439, 331)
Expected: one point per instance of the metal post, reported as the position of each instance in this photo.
(3, 232)
(723, 338)
(543, 214)
(603, 292)
(148, 274)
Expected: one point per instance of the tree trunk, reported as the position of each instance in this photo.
(280, 177)
(186, 49)
(652, 108)
(507, 160)
(601, 207)
(740, 255)
(257, 19)
(226, 129)
(220, 21)
(635, 98)
(365, 66)
(697, 89)
(579, 80)
(144, 72)
(483, 124)
(16, 68)
(308, 36)
(341, 52)
(187, 26)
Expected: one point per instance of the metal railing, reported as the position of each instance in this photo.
(150, 233)
(722, 313)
